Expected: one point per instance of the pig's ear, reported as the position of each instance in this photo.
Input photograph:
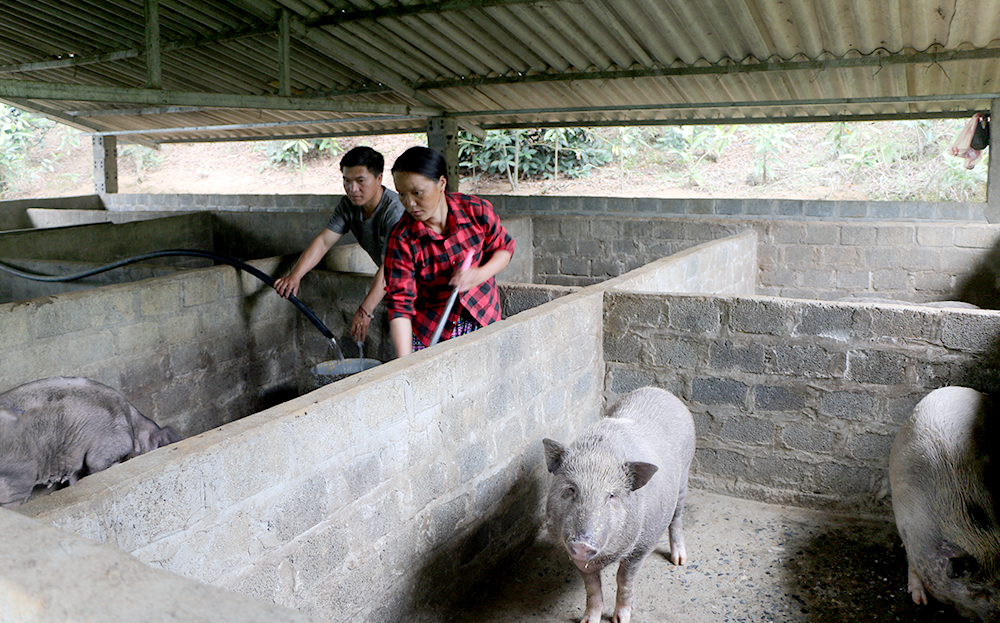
(555, 454)
(640, 473)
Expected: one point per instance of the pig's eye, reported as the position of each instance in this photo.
(569, 492)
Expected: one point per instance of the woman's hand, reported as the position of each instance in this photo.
(467, 279)
(360, 323)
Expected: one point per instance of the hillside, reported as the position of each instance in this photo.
(875, 161)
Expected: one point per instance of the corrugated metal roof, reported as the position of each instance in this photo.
(365, 67)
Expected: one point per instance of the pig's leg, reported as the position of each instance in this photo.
(595, 598)
(628, 568)
(916, 586)
(678, 555)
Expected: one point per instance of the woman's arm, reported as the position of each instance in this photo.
(401, 330)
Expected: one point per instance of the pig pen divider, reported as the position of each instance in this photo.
(232, 261)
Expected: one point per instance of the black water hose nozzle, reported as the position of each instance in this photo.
(232, 261)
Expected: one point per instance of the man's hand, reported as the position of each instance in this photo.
(287, 286)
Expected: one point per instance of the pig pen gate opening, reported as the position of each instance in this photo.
(436, 474)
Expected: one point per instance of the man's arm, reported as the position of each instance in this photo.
(306, 262)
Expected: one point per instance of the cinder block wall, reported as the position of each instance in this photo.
(742, 208)
(192, 350)
(14, 215)
(908, 261)
(726, 266)
(15, 288)
(796, 401)
(258, 226)
(108, 242)
(375, 498)
(912, 261)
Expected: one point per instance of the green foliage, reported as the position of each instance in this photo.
(627, 143)
(959, 183)
(292, 153)
(769, 140)
(19, 133)
(689, 145)
(531, 154)
(142, 157)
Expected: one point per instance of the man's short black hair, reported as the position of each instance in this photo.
(363, 157)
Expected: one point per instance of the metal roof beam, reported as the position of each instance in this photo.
(130, 112)
(55, 115)
(729, 120)
(872, 60)
(154, 68)
(836, 101)
(283, 137)
(61, 117)
(154, 97)
(332, 19)
(337, 18)
(117, 55)
(253, 126)
(344, 54)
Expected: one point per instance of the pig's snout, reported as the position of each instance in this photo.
(581, 550)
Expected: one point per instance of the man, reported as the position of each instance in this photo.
(370, 211)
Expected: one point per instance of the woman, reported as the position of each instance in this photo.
(426, 251)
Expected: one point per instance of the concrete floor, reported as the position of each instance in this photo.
(749, 562)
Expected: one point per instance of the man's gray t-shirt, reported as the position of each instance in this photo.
(373, 233)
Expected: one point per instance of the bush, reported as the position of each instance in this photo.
(292, 153)
(19, 132)
(531, 153)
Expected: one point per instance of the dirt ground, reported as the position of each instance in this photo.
(749, 562)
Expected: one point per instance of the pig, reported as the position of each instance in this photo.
(944, 482)
(617, 488)
(58, 429)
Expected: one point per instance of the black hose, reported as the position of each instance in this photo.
(232, 261)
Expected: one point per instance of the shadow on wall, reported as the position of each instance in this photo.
(544, 581)
(982, 373)
(982, 285)
(848, 567)
(447, 571)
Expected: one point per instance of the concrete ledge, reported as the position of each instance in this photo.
(65, 577)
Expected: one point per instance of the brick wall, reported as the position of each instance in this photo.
(796, 401)
(742, 208)
(192, 350)
(724, 266)
(915, 261)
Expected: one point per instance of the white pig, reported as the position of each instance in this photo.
(944, 474)
(617, 488)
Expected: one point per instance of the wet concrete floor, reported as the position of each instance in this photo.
(748, 562)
